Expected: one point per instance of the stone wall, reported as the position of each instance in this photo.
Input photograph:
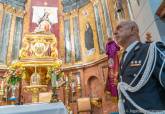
(144, 14)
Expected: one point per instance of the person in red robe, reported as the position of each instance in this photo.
(113, 65)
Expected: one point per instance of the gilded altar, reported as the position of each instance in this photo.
(37, 65)
(39, 46)
(39, 56)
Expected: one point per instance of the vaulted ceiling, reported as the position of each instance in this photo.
(70, 5)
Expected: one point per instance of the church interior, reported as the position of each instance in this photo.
(54, 51)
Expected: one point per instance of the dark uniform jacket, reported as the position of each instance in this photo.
(152, 95)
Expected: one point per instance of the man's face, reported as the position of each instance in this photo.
(122, 33)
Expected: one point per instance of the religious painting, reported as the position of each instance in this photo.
(89, 42)
(67, 41)
(107, 18)
(4, 41)
(44, 16)
(17, 38)
(76, 39)
(99, 29)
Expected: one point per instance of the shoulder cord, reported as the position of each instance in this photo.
(123, 87)
(161, 66)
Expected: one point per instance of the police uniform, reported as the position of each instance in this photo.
(152, 95)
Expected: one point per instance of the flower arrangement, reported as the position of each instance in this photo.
(57, 64)
(58, 72)
(14, 74)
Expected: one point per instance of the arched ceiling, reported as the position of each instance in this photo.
(18, 4)
(70, 5)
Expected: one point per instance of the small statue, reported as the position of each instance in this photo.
(44, 23)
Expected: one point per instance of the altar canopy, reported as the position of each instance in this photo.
(39, 108)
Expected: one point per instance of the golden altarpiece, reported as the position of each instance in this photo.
(39, 56)
(38, 65)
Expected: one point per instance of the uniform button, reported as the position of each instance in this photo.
(134, 75)
(123, 100)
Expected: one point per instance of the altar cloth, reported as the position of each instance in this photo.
(37, 108)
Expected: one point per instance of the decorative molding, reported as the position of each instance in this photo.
(18, 4)
(16, 11)
(3, 67)
(85, 65)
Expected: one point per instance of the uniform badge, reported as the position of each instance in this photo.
(135, 63)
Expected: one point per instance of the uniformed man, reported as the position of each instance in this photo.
(141, 84)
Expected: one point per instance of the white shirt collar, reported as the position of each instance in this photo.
(131, 46)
